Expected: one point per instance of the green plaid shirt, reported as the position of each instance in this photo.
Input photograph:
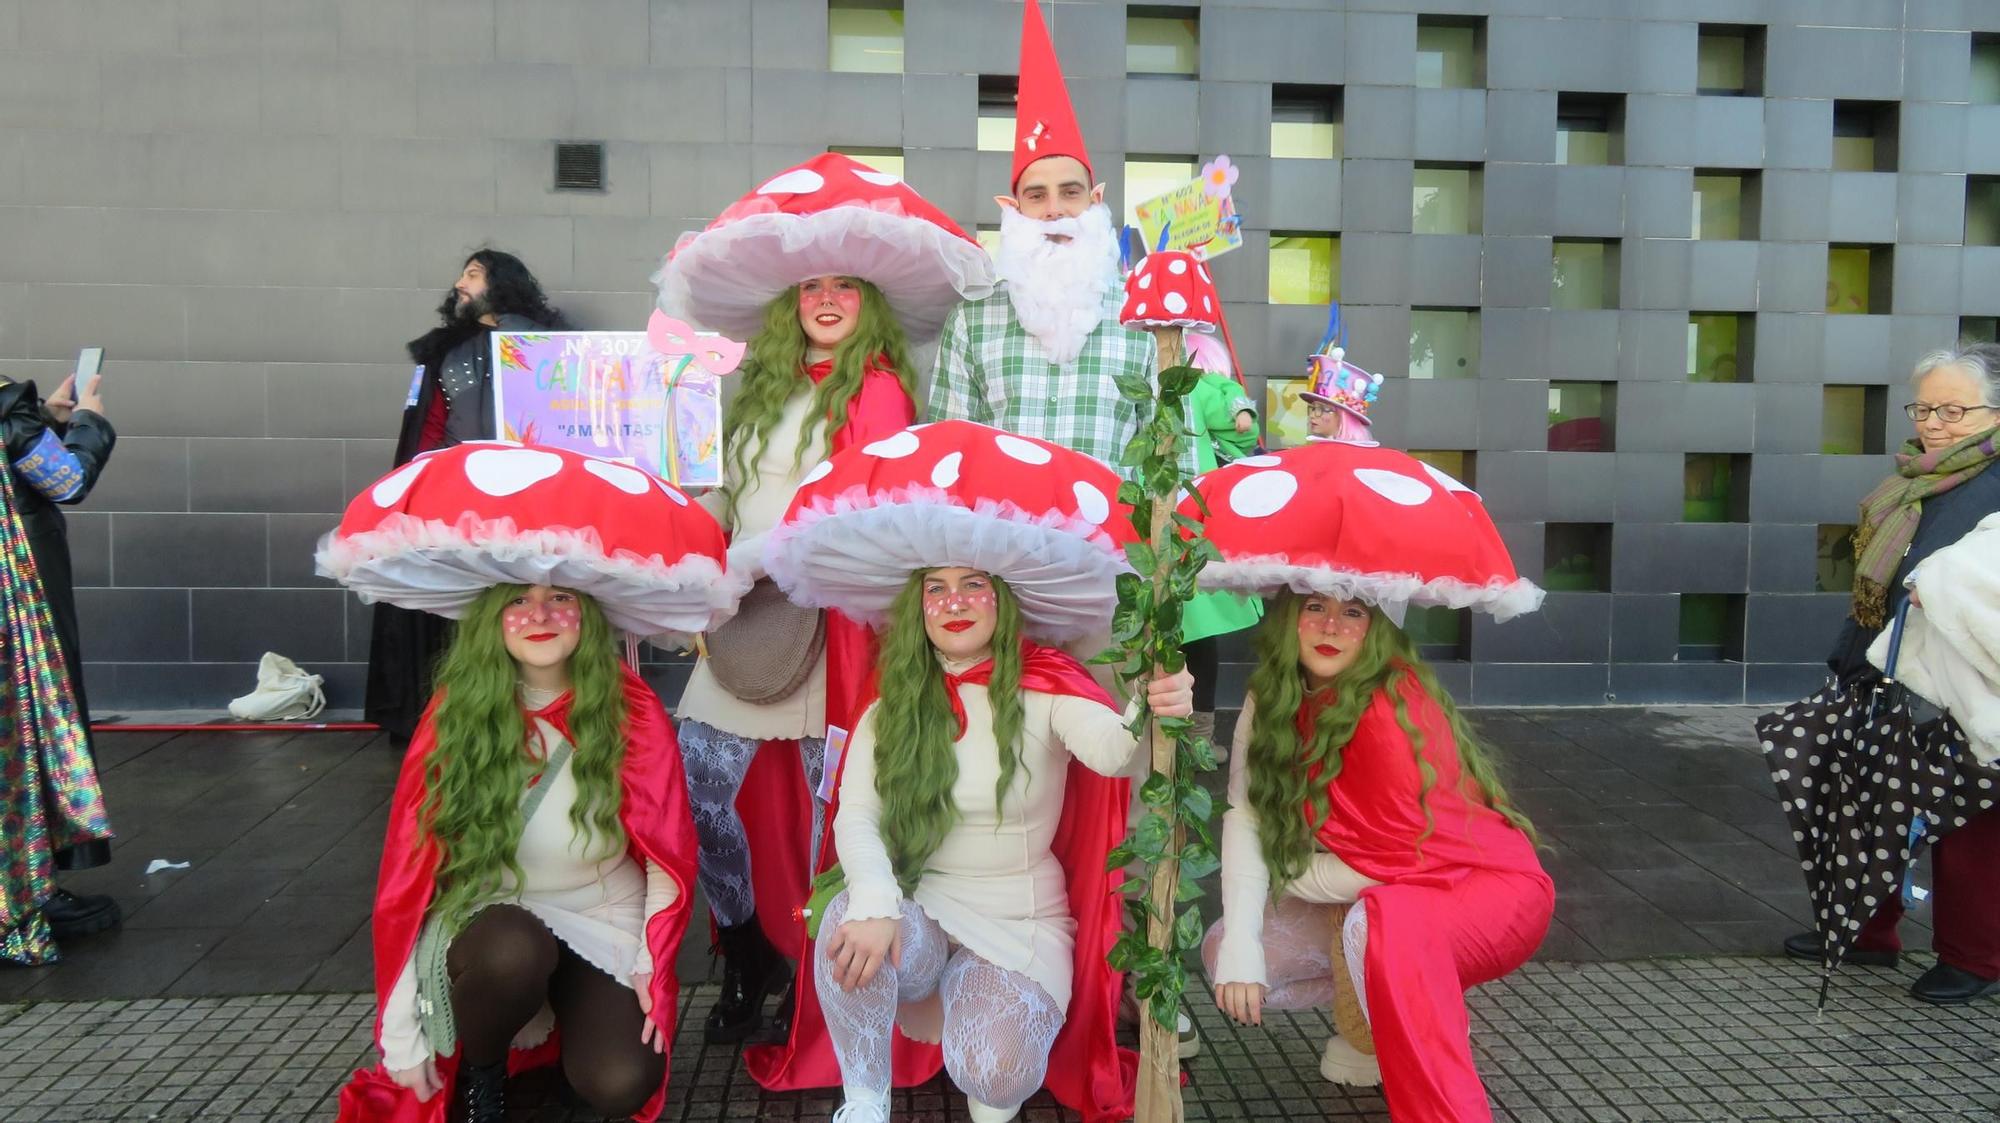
(990, 370)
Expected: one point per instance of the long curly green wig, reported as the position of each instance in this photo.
(480, 765)
(916, 761)
(1280, 766)
(774, 372)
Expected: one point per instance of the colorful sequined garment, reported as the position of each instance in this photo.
(49, 796)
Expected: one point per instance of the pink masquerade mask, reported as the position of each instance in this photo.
(676, 340)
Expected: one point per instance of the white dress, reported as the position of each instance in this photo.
(994, 886)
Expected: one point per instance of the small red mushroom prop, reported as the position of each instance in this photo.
(830, 216)
(1039, 516)
(439, 530)
(1358, 523)
(1170, 289)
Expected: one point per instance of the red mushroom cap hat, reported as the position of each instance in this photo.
(1170, 289)
(954, 493)
(438, 531)
(1359, 523)
(830, 216)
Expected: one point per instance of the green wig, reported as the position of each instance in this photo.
(774, 372)
(916, 763)
(479, 765)
(1281, 768)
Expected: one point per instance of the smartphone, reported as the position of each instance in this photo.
(87, 362)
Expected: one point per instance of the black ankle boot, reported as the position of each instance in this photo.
(752, 970)
(778, 1027)
(481, 1095)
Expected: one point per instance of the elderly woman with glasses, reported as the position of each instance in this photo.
(1941, 497)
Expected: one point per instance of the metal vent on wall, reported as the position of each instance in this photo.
(579, 166)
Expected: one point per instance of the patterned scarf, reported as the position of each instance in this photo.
(49, 796)
(1890, 514)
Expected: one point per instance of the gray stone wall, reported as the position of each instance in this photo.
(251, 204)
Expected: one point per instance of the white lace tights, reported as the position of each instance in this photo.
(998, 1025)
(1298, 953)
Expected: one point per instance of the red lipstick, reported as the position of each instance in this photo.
(540, 637)
(956, 626)
(1326, 649)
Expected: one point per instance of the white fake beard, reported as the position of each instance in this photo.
(1058, 288)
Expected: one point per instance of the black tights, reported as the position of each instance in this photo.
(506, 964)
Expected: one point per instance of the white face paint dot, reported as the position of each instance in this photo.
(820, 471)
(397, 484)
(631, 481)
(1257, 462)
(1177, 266)
(798, 181)
(1263, 493)
(895, 447)
(503, 472)
(1175, 302)
(1446, 482)
(1091, 503)
(1027, 452)
(1395, 487)
(946, 472)
(879, 179)
(1145, 281)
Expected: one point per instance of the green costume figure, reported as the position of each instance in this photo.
(1214, 408)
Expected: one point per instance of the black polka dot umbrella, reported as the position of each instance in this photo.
(1865, 785)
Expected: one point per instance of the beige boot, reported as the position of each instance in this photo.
(982, 1113)
(1350, 1054)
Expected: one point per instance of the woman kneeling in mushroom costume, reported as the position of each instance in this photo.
(975, 808)
(823, 268)
(535, 878)
(1370, 857)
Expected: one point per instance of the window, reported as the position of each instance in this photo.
(1582, 416)
(1148, 177)
(1835, 571)
(1986, 69)
(1729, 60)
(1446, 199)
(996, 112)
(864, 36)
(1305, 122)
(1285, 412)
(888, 161)
(989, 239)
(1852, 420)
(1711, 628)
(1982, 211)
(1719, 346)
(1451, 53)
(1576, 557)
(1455, 463)
(1864, 136)
(1858, 279)
(1437, 631)
(1725, 206)
(1586, 274)
(1444, 343)
(1715, 488)
(1590, 129)
(1305, 268)
(1986, 328)
(1162, 41)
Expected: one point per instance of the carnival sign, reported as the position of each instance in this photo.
(1199, 218)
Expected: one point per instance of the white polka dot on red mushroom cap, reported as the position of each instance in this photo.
(1139, 309)
(1177, 266)
(1145, 281)
(1257, 462)
(879, 179)
(1207, 305)
(820, 471)
(631, 481)
(672, 492)
(502, 472)
(798, 181)
(1445, 481)
(1397, 488)
(894, 447)
(397, 484)
(1027, 452)
(1090, 502)
(1175, 303)
(1202, 272)
(1263, 493)
(946, 472)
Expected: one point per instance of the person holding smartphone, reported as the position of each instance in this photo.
(56, 448)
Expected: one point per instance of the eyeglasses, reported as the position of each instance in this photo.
(1315, 409)
(1950, 415)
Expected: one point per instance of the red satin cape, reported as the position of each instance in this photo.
(774, 802)
(1090, 1074)
(658, 827)
(1464, 904)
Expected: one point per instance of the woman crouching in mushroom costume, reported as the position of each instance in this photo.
(822, 268)
(1370, 858)
(974, 813)
(536, 876)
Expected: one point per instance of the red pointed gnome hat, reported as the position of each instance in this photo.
(1044, 120)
